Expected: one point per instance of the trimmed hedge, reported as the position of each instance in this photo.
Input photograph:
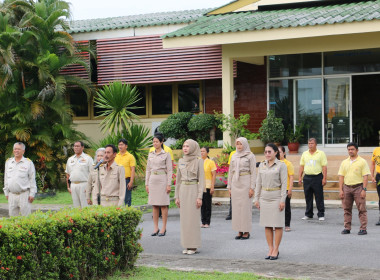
(69, 244)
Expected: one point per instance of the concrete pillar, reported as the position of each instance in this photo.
(227, 92)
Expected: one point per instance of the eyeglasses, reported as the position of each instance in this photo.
(267, 152)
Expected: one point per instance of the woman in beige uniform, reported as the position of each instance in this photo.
(241, 182)
(91, 190)
(158, 178)
(188, 194)
(270, 195)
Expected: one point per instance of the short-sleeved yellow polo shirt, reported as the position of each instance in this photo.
(290, 167)
(127, 161)
(231, 154)
(209, 166)
(353, 171)
(376, 158)
(313, 162)
(166, 149)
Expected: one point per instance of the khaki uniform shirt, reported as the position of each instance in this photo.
(112, 182)
(159, 163)
(247, 164)
(79, 168)
(184, 175)
(275, 176)
(19, 176)
(92, 186)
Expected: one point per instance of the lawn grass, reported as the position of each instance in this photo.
(149, 273)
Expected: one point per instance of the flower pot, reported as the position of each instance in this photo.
(220, 181)
(293, 147)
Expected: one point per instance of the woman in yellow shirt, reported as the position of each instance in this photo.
(210, 175)
(289, 165)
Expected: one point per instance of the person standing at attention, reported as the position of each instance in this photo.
(78, 169)
(91, 191)
(19, 182)
(289, 187)
(314, 163)
(158, 178)
(270, 195)
(229, 216)
(111, 181)
(210, 175)
(128, 161)
(353, 179)
(241, 184)
(189, 188)
(166, 148)
(375, 173)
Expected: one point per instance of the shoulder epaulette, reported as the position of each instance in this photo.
(29, 159)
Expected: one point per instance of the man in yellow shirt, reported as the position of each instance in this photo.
(375, 173)
(128, 161)
(314, 163)
(353, 179)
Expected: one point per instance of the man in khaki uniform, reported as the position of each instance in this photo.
(112, 180)
(78, 169)
(19, 182)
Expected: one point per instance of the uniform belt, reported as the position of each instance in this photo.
(244, 173)
(110, 198)
(272, 189)
(158, 172)
(189, 182)
(18, 193)
(355, 186)
(313, 175)
(78, 182)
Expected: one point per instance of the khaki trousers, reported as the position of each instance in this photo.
(78, 194)
(350, 195)
(19, 204)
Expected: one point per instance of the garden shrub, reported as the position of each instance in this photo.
(70, 244)
(175, 126)
(201, 125)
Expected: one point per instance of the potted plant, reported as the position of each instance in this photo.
(294, 136)
(272, 129)
(221, 170)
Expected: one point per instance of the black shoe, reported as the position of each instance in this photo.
(345, 231)
(362, 232)
(267, 258)
(274, 258)
(228, 218)
(378, 223)
(162, 234)
(155, 233)
(242, 237)
(237, 237)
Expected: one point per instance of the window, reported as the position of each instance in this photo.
(162, 101)
(188, 98)
(281, 100)
(295, 65)
(141, 103)
(79, 104)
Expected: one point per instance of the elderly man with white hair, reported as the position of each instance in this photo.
(19, 182)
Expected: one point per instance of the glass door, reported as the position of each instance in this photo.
(308, 109)
(337, 110)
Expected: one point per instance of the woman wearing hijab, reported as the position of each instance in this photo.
(241, 182)
(270, 198)
(190, 182)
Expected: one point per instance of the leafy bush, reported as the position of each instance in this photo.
(213, 144)
(178, 144)
(272, 129)
(70, 244)
(201, 125)
(175, 126)
(236, 126)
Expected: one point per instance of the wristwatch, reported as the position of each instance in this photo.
(365, 189)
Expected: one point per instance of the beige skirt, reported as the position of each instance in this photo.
(270, 214)
(157, 190)
(190, 217)
(241, 205)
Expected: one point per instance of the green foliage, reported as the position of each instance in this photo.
(175, 126)
(138, 143)
(178, 144)
(201, 125)
(70, 244)
(209, 144)
(294, 135)
(115, 101)
(33, 90)
(228, 149)
(272, 129)
(236, 126)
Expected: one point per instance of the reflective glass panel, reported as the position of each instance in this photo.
(141, 103)
(295, 65)
(281, 100)
(79, 103)
(188, 98)
(162, 102)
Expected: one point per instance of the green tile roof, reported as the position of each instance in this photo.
(283, 18)
(154, 19)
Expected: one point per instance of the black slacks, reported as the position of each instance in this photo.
(288, 211)
(206, 207)
(312, 185)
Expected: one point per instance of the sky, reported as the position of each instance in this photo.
(87, 9)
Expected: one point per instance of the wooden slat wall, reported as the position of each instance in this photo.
(76, 69)
(141, 60)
